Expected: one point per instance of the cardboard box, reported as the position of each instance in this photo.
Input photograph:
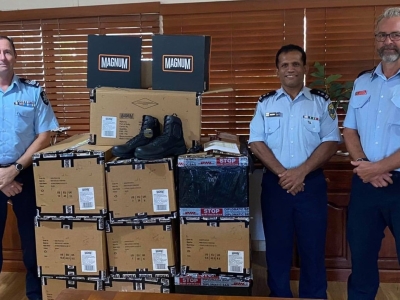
(114, 61)
(211, 284)
(144, 285)
(71, 247)
(138, 188)
(213, 186)
(116, 114)
(143, 247)
(52, 287)
(181, 62)
(215, 245)
(70, 178)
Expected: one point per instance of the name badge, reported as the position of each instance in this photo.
(273, 114)
(25, 103)
(310, 118)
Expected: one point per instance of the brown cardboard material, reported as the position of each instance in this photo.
(137, 188)
(144, 285)
(51, 288)
(70, 177)
(215, 245)
(116, 114)
(147, 247)
(71, 248)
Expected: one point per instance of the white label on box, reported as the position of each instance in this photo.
(160, 259)
(86, 198)
(108, 127)
(88, 260)
(235, 261)
(160, 200)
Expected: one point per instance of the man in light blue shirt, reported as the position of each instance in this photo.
(372, 136)
(25, 123)
(293, 133)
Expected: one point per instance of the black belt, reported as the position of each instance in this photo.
(5, 165)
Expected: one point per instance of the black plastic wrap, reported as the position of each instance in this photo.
(213, 186)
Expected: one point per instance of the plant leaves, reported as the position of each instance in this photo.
(320, 68)
(317, 74)
(317, 83)
(332, 78)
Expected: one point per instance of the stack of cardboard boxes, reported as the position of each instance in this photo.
(214, 225)
(72, 206)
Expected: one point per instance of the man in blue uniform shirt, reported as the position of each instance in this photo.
(293, 133)
(25, 124)
(372, 136)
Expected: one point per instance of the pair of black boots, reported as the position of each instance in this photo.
(151, 144)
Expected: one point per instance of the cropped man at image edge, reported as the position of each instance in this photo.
(25, 124)
(293, 133)
(372, 136)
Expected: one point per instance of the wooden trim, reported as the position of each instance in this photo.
(256, 5)
(81, 11)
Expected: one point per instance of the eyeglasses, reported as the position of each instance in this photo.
(381, 36)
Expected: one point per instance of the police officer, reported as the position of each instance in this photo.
(26, 118)
(372, 136)
(293, 133)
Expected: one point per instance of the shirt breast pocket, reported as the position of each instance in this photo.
(24, 119)
(359, 101)
(312, 125)
(272, 132)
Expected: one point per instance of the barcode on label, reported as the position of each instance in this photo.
(236, 269)
(108, 133)
(160, 267)
(161, 207)
(88, 268)
(87, 204)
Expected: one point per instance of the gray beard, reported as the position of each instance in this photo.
(389, 58)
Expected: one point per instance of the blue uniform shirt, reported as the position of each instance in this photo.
(374, 111)
(293, 129)
(25, 113)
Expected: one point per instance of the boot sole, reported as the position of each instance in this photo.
(124, 156)
(171, 152)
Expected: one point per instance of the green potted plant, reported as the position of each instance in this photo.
(339, 92)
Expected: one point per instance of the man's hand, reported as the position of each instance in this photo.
(370, 172)
(12, 189)
(7, 175)
(292, 180)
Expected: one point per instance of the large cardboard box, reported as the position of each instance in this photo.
(116, 114)
(70, 178)
(114, 61)
(145, 247)
(138, 188)
(71, 247)
(52, 287)
(144, 285)
(181, 62)
(213, 186)
(215, 245)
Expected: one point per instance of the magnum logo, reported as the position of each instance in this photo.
(177, 63)
(114, 63)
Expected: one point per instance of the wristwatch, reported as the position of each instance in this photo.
(18, 167)
(362, 159)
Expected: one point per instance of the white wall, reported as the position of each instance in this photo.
(36, 4)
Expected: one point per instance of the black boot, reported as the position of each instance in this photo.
(148, 132)
(169, 143)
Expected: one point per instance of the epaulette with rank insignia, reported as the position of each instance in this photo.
(366, 71)
(320, 93)
(266, 96)
(30, 82)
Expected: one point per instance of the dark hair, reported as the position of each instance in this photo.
(3, 37)
(290, 48)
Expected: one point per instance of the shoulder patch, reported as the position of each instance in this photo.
(266, 96)
(44, 98)
(366, 71)
(30, 82)
(320, 93)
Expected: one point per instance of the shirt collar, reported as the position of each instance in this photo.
(379, 72)
(16, 82)
(305, 91)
